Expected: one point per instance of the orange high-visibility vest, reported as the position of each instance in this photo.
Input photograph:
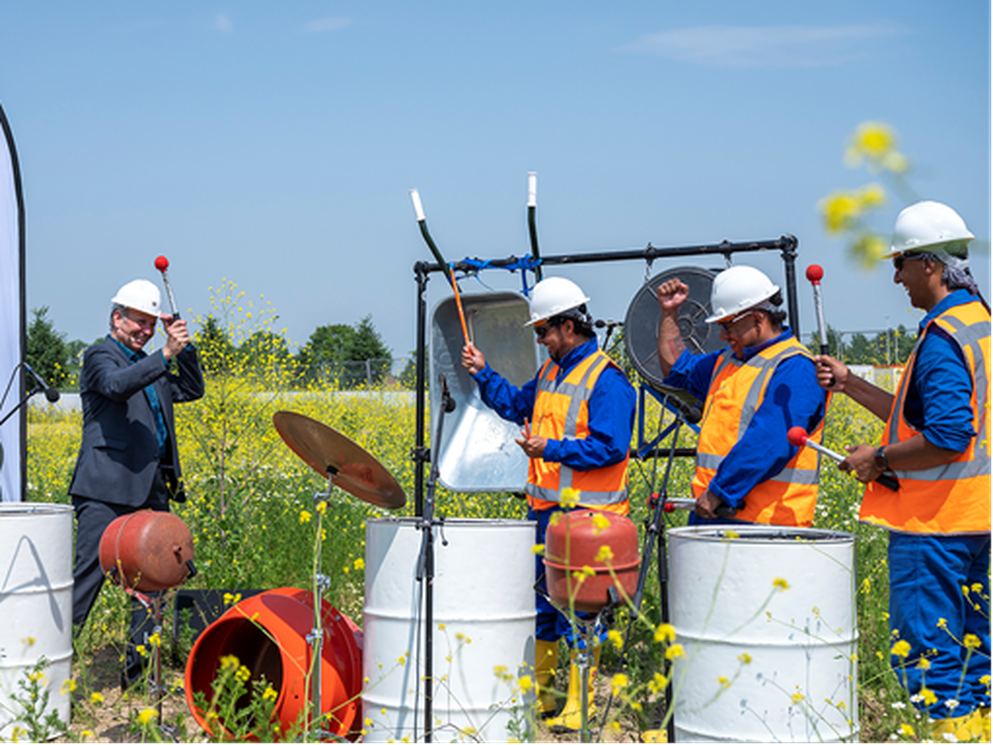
(561, 412)
(955, 497)
(737, 389)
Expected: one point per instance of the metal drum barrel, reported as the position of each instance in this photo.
(767, 619)
(483, 631)
(35, 603)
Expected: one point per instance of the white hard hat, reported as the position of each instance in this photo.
(554, 296)
(929, 224)
(140, 295)
(737, 289)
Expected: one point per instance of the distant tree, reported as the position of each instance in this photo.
(860, 351)
(366, 345)
(264, 349)
(47, 350)
(904, 342)
(326, 349)
(353, 355)
(215, 349)
(408, 376)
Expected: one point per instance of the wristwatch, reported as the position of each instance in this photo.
(881, 462)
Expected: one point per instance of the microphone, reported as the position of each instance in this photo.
(447, 402)
(50, 393)
(601, 324)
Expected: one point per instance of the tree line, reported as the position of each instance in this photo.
(354, 355)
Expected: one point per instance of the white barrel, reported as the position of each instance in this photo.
(767, 619)
(35, 604)
(483, 630)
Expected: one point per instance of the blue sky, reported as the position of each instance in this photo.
(273, 144)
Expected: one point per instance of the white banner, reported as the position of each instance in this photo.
(13, 431)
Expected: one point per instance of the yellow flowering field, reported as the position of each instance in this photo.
(252, 511)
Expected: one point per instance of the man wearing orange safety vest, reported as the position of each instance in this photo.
(937, 442)
(578, 419)
(754, 390)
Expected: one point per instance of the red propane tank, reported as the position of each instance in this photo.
(574, 545)
(147, 551)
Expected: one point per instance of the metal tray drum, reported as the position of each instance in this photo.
(477, 452)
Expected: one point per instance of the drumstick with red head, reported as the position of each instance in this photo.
(799, 438)
(815, 273)
(162, 264)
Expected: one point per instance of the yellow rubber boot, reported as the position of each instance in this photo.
(546, 660)
(571, 718)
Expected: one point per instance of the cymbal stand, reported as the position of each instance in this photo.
(315, 639)
(425, 562)
(153, 605)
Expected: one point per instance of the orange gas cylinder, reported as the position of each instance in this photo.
(267, 635)
(147, 551)
(575, 545)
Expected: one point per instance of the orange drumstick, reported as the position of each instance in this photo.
(458, 303)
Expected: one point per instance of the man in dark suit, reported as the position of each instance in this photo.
(128, 459)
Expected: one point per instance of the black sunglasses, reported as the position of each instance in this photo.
(551, 323)
(898, 261)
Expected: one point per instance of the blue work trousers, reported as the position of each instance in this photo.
(939, 597)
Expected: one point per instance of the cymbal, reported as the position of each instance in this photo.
(330, 453)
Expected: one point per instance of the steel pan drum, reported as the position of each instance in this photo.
(641, 325)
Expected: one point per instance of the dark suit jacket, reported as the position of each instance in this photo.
(119, 453)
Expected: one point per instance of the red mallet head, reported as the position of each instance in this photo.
(815, 273)
(797, 436)
(162, 263)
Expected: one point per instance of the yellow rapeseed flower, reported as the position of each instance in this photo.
(875, 142)
(745, 658)
(723, 682)
(525, 683)
(605, 554)
(840, 210)
(665, 633)
(600, 523)
(615, 638)
(270, 694)
(618, 683)
(675, 651)
(569, 497)
(780, 584)
(906, 730)
(146, 716)
(304, 517)
(929, 696)
(96, 698)
(901, 649)
(657, 683)
(798, 697)
(538, 548)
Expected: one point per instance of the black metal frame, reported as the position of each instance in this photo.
(786, 245)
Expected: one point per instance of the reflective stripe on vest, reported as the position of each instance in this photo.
(955, 497)
(561, 412)
(737, 389)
